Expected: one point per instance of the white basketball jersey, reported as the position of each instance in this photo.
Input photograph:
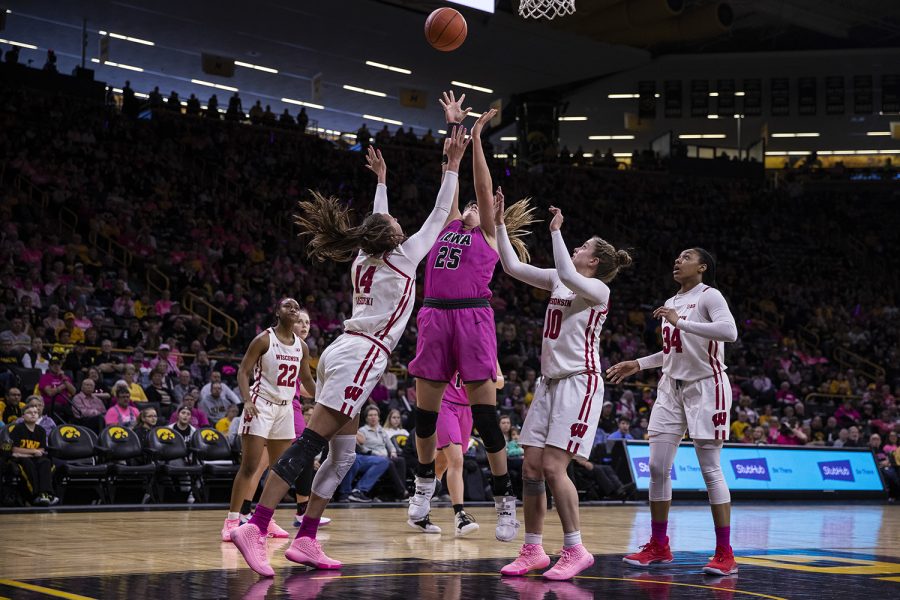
(384, 289)
(687, 356)
(278, 370)
(571, 334)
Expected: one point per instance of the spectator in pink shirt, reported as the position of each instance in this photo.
(123, 411)
(56, 389)
(164, 355)
(164, 304)
(198, 417)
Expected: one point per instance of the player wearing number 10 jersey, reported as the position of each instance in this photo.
(565, 412)
(694, 394)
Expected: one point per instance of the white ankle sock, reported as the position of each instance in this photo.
(534, 538)
(233, 515)
(571, 539)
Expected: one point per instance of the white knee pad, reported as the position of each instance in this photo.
(708, 452)
(341, 455)
(662, 456)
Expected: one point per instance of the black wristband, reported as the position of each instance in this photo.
(445, 159)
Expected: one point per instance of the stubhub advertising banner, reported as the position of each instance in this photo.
(767, 468)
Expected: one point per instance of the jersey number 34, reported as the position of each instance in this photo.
(671, 340)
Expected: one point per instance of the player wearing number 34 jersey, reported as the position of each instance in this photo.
(694, 395)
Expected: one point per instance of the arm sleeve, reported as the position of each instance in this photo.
(654, 361)
(539, 278)
(722, 327)
(592, 289)
(381, 199)
(418, 246)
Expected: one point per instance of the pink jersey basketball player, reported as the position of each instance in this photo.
(457, 333)
(694, 395)
(565, 411)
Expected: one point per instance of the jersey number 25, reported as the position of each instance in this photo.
(447, 258)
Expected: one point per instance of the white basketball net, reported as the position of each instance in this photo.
(545, 9)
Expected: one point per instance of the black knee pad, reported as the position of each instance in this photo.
(488, 425)
(299, 456)
(426, 423)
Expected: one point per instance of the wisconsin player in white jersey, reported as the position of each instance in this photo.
(278, 359)
(694, 395)
(383, 276)
(564, 414)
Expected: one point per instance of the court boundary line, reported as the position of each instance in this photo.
(43, 590)
(584, 577)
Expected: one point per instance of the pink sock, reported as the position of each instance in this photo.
(261, 517)
(308, 527)
(723, 536)
(658, 531)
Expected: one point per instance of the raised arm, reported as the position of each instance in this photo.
(376, 164)
(539, 278)
(589, 287)
(482, 175)
(418, 246)
(721, 327)
(454, 115)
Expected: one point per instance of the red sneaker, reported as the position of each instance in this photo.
(722, 563)
(651, 552)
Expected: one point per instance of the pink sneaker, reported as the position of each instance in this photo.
(230, 524)
(531, 557)
(275, 531)
(252, 544)
(572, 561)
(307, 551)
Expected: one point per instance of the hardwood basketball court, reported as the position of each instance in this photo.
(784, 550)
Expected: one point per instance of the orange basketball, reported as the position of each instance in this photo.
(445, 29)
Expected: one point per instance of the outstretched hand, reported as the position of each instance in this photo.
(458, 142)
(453, 110)
(376, 164)
(557, 220)
(482, 121)
(499, 207)
(618, 372)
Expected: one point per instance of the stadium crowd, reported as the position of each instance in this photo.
(85, 339)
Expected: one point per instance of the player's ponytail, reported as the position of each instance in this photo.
(611, 260)
(517, 217)
(709, 275)
(332, 237)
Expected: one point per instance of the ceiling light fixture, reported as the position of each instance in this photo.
(115, 64)
(302, 103)
(383, 120)
(127, 38)
(379, 65)
(472, 86)
(218, 86)
(256, 67)
(353, 88)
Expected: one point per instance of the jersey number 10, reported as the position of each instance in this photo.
(671, 340)
(554, 323)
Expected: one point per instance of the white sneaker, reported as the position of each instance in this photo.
(424, 525)
(420, 502)
(507, 525)
(465, 524)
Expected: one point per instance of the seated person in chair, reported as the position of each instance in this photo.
(29, 450)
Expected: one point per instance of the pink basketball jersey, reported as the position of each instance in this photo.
(455, 391)
(460, 265)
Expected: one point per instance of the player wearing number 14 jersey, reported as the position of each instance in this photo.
(694, 394)
(565, 412)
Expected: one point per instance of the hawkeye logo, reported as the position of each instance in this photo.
(209, 436)
(165, 435)
(642, 468)
(751, 468)
(837, 470)
(118, 433)
(69, 433)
